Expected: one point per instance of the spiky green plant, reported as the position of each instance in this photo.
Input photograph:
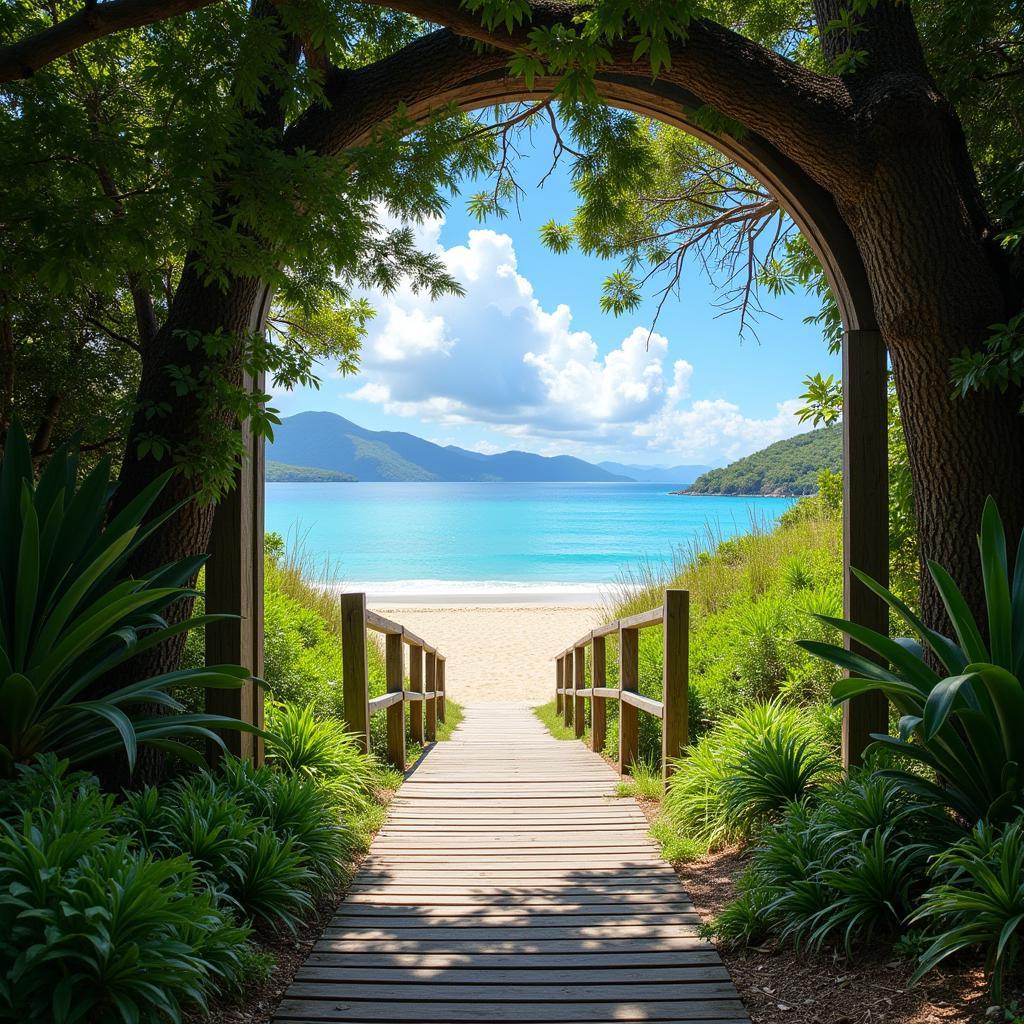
(978, 901)
(69, 617)
(965, 724)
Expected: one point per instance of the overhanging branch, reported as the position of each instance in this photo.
(25, 57)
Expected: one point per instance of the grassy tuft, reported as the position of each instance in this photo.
(643, 782)
(552, 721)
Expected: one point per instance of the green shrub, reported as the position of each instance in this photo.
(92, 929)
(967, 725)
(262, 842)
(852, 864)
(978, 900)
(774, 770)
(320, 749)
(697, 801)
(70, 618)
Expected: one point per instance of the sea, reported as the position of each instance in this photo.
(499, 542)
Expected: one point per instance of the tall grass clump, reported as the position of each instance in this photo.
(737, 775)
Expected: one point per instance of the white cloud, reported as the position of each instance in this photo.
(496, 358)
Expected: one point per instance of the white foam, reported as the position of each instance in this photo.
(473, 592)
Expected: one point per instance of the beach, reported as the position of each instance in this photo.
(501, 653)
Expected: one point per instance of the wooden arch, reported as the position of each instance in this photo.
(234, 573)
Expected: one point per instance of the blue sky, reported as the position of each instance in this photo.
(527, 360)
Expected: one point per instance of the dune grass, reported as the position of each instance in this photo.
(552, 721)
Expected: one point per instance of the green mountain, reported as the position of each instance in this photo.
(786, 468)
(324, 440)
(282, 473)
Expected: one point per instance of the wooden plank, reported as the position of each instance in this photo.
(354, 671)
(234, 586)
(648, 704)
(675, 679)
(629, 682)
(382, 625)
(642, 619)
(507, 885)
(605, 630)
(395, 672)
(568, 703)
(695, 1011)
(598, 708)
(429, 694)
(865, 518)
(328, 967)
(385, 700)
(579, 712)
(416, 686)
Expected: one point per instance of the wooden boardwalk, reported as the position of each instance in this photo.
(508, 886)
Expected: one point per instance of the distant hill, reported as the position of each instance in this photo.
(324, 440)
(676, 475)
(282, 473)
(787, 467)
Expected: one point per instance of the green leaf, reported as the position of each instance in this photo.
(959, 613)
(995, 574)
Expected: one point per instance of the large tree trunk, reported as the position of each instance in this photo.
(938, 282)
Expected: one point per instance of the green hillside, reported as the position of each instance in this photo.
(787, 467)
(282, 473)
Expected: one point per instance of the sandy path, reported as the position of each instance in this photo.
(498, 652)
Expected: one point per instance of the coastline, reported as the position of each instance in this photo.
(722, 494)
(475, 593)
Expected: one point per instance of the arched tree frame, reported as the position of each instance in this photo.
(234, 572)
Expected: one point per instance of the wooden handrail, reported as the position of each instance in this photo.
(571, 693)
(356, 619)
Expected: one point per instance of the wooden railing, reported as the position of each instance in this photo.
(425, 696)
(571, 693)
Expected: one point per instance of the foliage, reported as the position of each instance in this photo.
(710, 796)
(787, 467)
(841, 867)
(643, 782)
(775, 769)
(320, 749)
(172, 126)
(69, 618)
(978, 900)
(91, 928)
(280, 472)
(967, 724)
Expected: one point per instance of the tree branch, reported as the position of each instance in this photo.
(23, 58)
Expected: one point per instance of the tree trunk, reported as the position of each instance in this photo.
(938, 282)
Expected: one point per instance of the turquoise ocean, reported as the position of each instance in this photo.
(559, 538)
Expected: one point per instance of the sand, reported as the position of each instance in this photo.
(501, 653)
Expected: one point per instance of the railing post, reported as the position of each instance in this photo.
(396, 712)
(579, 682)
(416, 685)
(559, 669)
(440, 688)
(567, 701)
(354, 672)
(675, 678)
(431, 684)
(629, 679)
(598, 708)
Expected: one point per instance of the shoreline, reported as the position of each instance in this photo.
(451, 594)
(722, 494)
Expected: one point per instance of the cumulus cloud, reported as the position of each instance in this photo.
(496, 358)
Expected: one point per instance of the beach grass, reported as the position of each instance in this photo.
(552, 721)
